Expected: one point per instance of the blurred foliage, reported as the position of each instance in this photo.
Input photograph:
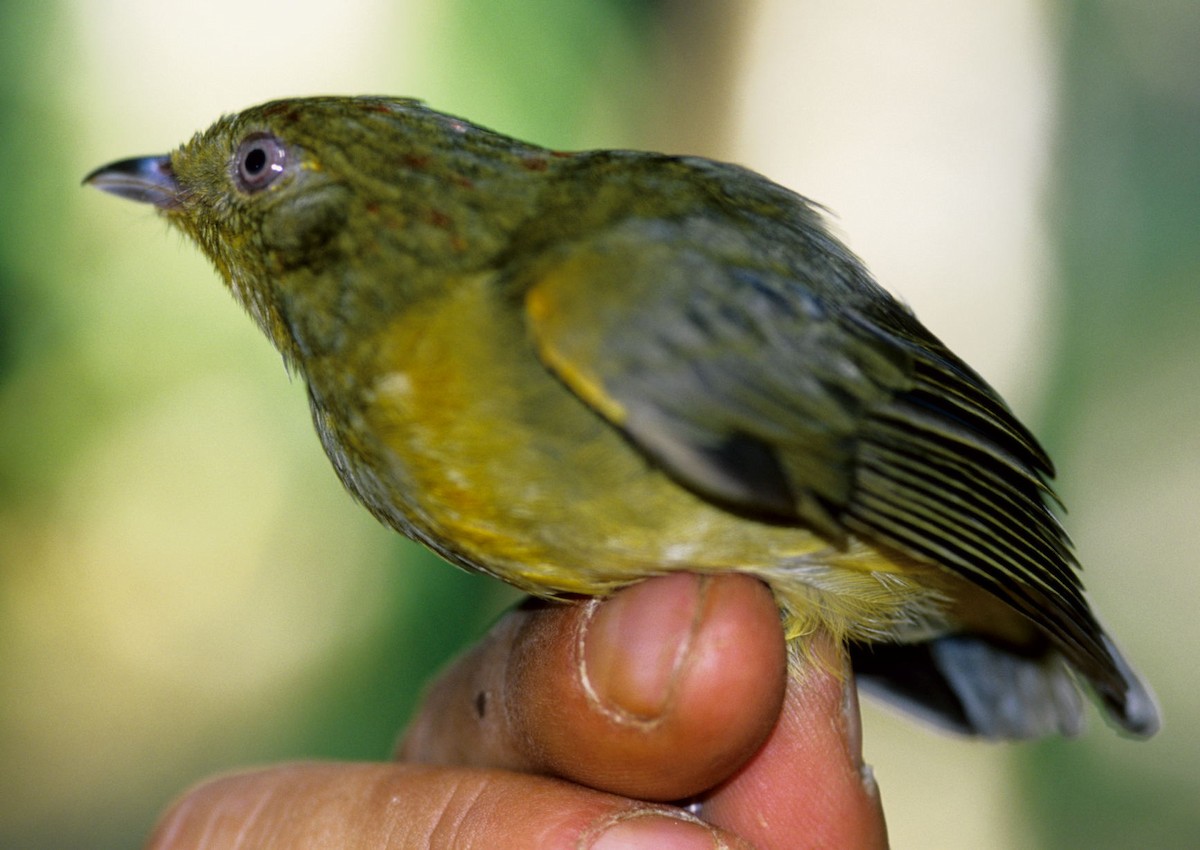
(544, 67)
(1127, 198)
(1080, 796)
(372, 692)
(31, 259)
(1125, 208)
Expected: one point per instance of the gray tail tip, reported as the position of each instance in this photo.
(1136, 711)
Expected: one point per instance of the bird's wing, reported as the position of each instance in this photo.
(798, 391)
(739, 382)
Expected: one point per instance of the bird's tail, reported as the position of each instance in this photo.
(974, 685)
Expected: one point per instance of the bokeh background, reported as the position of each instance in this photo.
(184, 587)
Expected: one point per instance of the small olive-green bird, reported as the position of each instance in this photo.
(575, 370)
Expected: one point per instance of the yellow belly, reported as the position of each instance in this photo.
(464, 440)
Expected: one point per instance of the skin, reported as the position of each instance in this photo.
(554, 762)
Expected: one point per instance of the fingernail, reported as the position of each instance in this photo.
(851, 714)
(634, 644)
(655, 831)
(852, 717)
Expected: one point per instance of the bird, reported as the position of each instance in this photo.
(575, 370)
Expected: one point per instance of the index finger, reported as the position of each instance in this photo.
(807, 786)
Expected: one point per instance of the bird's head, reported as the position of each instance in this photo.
(299, 202)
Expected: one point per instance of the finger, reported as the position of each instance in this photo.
(658, 693)
(395, 807)
(807, 786)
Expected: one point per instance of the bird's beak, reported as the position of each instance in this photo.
(148, 179)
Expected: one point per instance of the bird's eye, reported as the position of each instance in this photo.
(260, 160)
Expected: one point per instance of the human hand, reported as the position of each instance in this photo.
(570, 725)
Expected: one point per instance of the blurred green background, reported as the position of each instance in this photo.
(184, 587)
